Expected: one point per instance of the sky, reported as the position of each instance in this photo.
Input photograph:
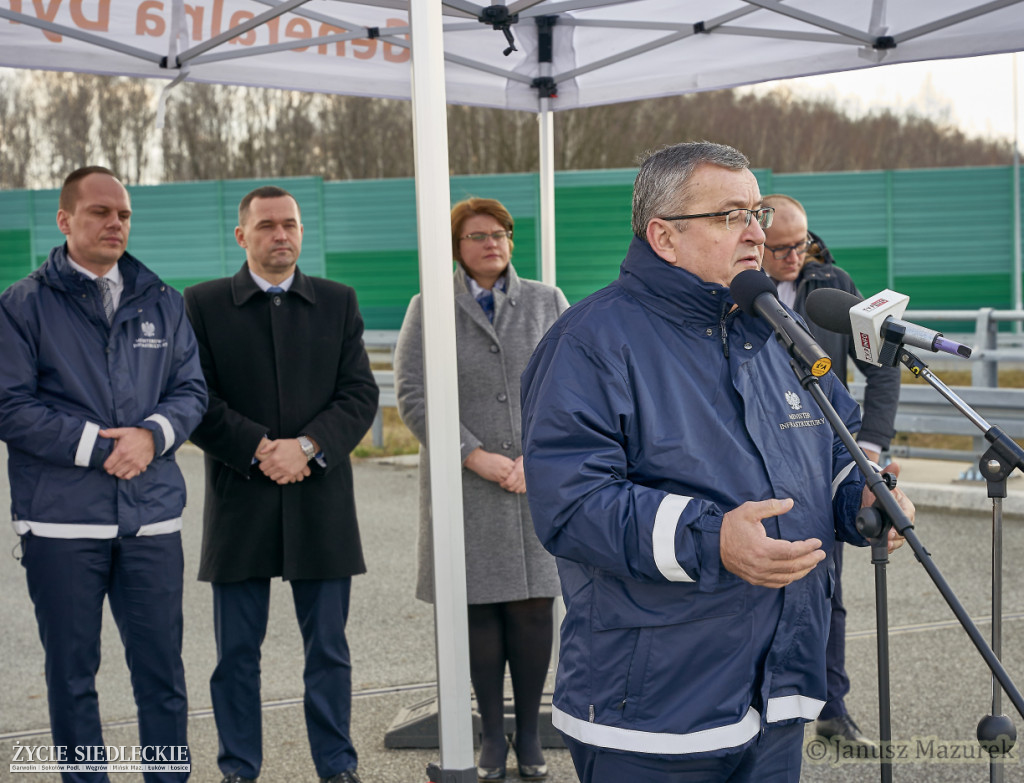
(974, 93)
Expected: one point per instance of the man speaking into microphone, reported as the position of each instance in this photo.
(692, 491)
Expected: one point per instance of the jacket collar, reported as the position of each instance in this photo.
(464, 297)
(512, 284)
(674, 293)
(244, 288)
(58, 273)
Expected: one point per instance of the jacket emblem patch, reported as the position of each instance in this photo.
(149, 338)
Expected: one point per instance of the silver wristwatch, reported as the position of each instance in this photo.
(307, 447)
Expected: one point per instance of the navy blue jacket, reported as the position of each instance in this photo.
(650, 410)
(65, 373)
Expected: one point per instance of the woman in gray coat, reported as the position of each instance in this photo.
(511, 580)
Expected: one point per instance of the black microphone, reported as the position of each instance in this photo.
(830, 309)
(757, 295)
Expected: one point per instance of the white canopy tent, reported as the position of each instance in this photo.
(568, 54)
(601, 51)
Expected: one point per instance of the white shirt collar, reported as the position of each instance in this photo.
(113, 274)
(476, 289)
(787, 292)
(264, 285)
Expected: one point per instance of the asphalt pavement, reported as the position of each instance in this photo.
(940, 684)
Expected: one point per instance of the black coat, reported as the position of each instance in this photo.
(882, 388)
(280, 366)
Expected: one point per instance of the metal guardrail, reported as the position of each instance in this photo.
(380, 345)
(921, 409)
(987, 353)
(386, 383)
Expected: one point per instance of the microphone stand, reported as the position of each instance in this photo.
(996, 731)
(873, 523)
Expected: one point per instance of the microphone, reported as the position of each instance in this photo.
(875, 325)
(757, 295)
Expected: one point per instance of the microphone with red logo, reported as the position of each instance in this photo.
(875, 325)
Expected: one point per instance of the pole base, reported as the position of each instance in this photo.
(415, 726)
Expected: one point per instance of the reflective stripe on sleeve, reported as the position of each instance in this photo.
(841, 477)
(160, 528)
(86, 444)
(790, 707)
(663, 538)
(166, 428)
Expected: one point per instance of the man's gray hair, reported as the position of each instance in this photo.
(662, 186)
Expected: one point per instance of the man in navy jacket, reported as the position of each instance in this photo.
(691, 490)
(100, 383)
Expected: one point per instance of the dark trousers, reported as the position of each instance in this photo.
(774, 757)
(240, 611)
(837, 681)
(68, 580)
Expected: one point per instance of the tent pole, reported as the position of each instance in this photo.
(430, 143)
(546, 124)
(1017, 303)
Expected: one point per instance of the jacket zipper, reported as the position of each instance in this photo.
(723, 331)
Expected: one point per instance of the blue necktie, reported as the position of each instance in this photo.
(486, 300)
(275, 289)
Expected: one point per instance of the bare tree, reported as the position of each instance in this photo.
(66, 119)
(17, 148)
(199, 139)
(53, 122)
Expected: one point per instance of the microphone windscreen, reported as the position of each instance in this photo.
(829, 308)
(748, 285)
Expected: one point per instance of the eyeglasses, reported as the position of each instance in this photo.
(480, 236)
(735, 217)
(780, 252)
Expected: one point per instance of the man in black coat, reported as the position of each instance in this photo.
(799, 262)
(291, 394)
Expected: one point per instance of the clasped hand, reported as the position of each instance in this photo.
(282, 461)
(133, 451)
(506, 473)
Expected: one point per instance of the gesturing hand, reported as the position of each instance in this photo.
(747, 551)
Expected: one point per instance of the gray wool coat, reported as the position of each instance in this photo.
(504, 558)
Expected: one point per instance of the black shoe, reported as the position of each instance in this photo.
(234, 777)
(533, 771)
(843, 729)
(530, 771)
(494, 773)
(348, 776)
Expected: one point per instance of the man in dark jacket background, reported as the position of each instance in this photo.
(799, 262)
(291, 394)
(99, 384)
